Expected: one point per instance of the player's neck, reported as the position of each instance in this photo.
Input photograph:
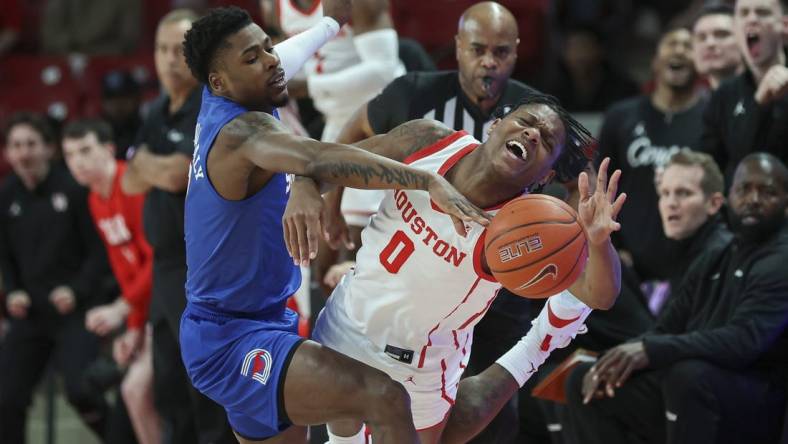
(479, 185)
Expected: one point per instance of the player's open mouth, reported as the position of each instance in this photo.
(517, 149)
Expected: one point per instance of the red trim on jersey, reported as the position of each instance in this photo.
(444, 395)
(456, 341)
(308, 12)
(435, 147)
(478, 251)
(429, 340)
(481, 313)
(464, 351)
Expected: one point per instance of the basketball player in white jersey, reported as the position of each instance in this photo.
(418, 289)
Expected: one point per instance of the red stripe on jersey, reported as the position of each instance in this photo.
(478, 251)
(557, 322)
(456, 342)
(444, 395)
(429, 340)
(435, 147)
(481, 313)
(464, 350)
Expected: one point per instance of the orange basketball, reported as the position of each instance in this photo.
(535, 246)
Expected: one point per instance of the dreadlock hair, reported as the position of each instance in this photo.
(208, 35)
(579, 145)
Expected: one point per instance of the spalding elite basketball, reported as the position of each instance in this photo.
(535, 246)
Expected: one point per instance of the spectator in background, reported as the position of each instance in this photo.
(713, 368)
(750, 113)
(690, 199)
(10, 25)
(714, 47)
(640, 134)
(586, 80)
(88, 150)
(91, 27)
(352, 67)
(52, 263)
(159, 166)
(121, 99)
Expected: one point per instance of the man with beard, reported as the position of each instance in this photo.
(639, 135)
(714, 366)
(750, 113)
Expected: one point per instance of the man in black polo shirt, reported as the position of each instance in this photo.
(159, 165)
(52, 263)
(750, 112)
(486, 43)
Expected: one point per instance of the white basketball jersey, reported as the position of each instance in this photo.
(418, 286)
(336, 55)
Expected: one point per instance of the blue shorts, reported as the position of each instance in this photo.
(241, 362)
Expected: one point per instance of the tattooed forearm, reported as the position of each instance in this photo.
(371, 175)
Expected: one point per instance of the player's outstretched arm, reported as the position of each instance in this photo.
(600, 283)
(263, 141)
(301, 222)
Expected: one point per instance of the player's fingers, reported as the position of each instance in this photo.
(294, 252)
(582, 185)
(312, 236)
(286, 230)
(617, 205)
(477, 214)
(349, 244)
(601, 175)
(459, 225)
(612, 186)
(303, 243)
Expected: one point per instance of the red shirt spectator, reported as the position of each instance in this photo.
(119, 222)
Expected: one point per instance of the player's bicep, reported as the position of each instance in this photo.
(406, 139)
(263, 141)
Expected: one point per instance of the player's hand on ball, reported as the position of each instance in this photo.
(598, 210)
(302, 220)
(339, 10)
(448, 199)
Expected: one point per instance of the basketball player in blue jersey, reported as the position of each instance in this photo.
(238, 340)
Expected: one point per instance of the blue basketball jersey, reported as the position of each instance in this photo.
(235, 250)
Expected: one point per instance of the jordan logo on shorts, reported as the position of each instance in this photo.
(257, 365)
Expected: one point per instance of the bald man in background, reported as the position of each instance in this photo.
(486, 45)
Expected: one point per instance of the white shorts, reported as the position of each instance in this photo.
(432, 392)
(359, 205)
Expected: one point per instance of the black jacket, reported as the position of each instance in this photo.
(48, 239)
(732, 310)
(734, 125)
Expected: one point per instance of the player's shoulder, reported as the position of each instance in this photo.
(419, 133)
(246, 126)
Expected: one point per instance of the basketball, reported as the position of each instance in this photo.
(535, 246)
